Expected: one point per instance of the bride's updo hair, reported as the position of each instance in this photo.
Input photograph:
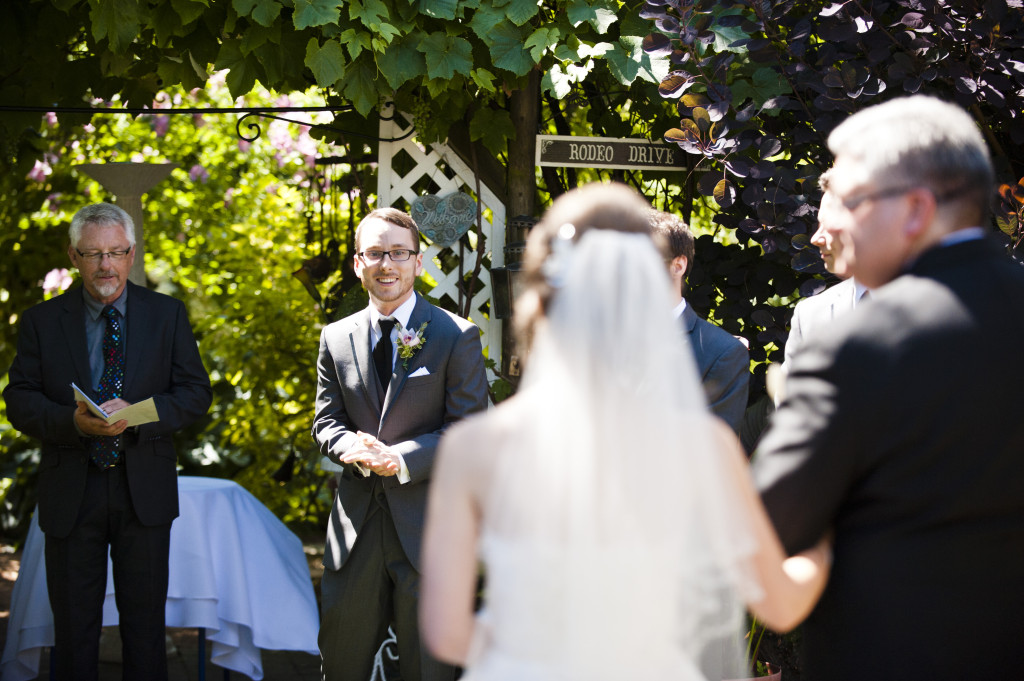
(609, 206)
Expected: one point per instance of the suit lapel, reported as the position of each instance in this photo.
(73, 324)
(420, 313)
(140, 323)
(359, 340)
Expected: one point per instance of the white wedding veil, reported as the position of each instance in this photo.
(617, 486)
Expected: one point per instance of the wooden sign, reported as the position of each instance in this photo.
(608, 152)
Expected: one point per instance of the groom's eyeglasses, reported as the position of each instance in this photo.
(397, 255)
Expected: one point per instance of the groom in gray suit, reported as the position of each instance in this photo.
(391, 378)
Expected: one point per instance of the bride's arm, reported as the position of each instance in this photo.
(449, 558)
(791, 586)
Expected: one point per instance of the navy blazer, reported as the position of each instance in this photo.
(161, 361)
(723, 365)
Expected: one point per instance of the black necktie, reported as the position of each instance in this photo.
(382, 354)
(105, 450)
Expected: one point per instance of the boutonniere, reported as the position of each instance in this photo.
(409, 342)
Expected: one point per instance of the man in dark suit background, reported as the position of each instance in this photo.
(380, 414)
(105, 485)
(722, 361)
(900, 431)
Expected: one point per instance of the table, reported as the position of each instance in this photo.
(235, 570)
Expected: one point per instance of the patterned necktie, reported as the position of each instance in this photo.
(104, 450)
(382, 353)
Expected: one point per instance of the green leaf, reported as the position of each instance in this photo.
(361, 86)
(166, 23)
(312, 13)
(258, 35)
(263, 12)
(446, 55)
(628, 61)
(243, 71)
(493, 128)
(557, 82)
(190, 10)
(539, 41)
(402, 62)
(484, 20)
(484, 79)
(521, 11)
(439, 9)
(600, 14)
(507, 50)
(371, 13)
(355, 42)
(115, 20)
(327, 62)
(388, 32)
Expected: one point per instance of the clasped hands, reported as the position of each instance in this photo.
(90, 424)
(373, 455)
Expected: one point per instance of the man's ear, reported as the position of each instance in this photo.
(677, 267)
(921, 213)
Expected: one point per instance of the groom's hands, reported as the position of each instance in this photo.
(373, 455)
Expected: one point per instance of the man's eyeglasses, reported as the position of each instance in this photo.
(852, 204)
(95, 256)
(397, 255)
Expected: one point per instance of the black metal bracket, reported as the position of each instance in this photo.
(253, 127)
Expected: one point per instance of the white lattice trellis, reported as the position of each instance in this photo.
(441, 166)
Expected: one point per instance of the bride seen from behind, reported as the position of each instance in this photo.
(615, 517)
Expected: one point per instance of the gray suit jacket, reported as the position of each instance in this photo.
(723, 364)
(811, 314)
(161, 361)
(410, 417)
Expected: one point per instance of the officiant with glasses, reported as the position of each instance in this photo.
(104, 485)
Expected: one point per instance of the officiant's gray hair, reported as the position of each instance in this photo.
(102, 215)
(609, 206)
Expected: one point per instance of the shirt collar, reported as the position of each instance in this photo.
(677, 311)
(401, 315)
(95, 307)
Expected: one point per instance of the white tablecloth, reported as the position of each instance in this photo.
(235, 569)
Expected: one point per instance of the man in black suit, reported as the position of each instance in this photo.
(390, 379)
(722, 361)
(901, 428)
(106, 485)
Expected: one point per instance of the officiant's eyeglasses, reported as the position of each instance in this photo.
(397, 255)
(95, 257)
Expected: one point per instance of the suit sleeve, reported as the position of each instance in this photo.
(810, 456)
(186, 394)
(331, 429)
(465, 394)
(29, 408)
(726, 384)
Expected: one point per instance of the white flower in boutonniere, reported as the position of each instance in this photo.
(409, 342)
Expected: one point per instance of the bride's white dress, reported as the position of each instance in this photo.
(614, 546)
(534, 627)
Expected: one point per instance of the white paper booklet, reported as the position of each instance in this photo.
(136, 414)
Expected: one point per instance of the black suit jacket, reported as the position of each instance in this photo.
(161, 361)
(902, 430)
